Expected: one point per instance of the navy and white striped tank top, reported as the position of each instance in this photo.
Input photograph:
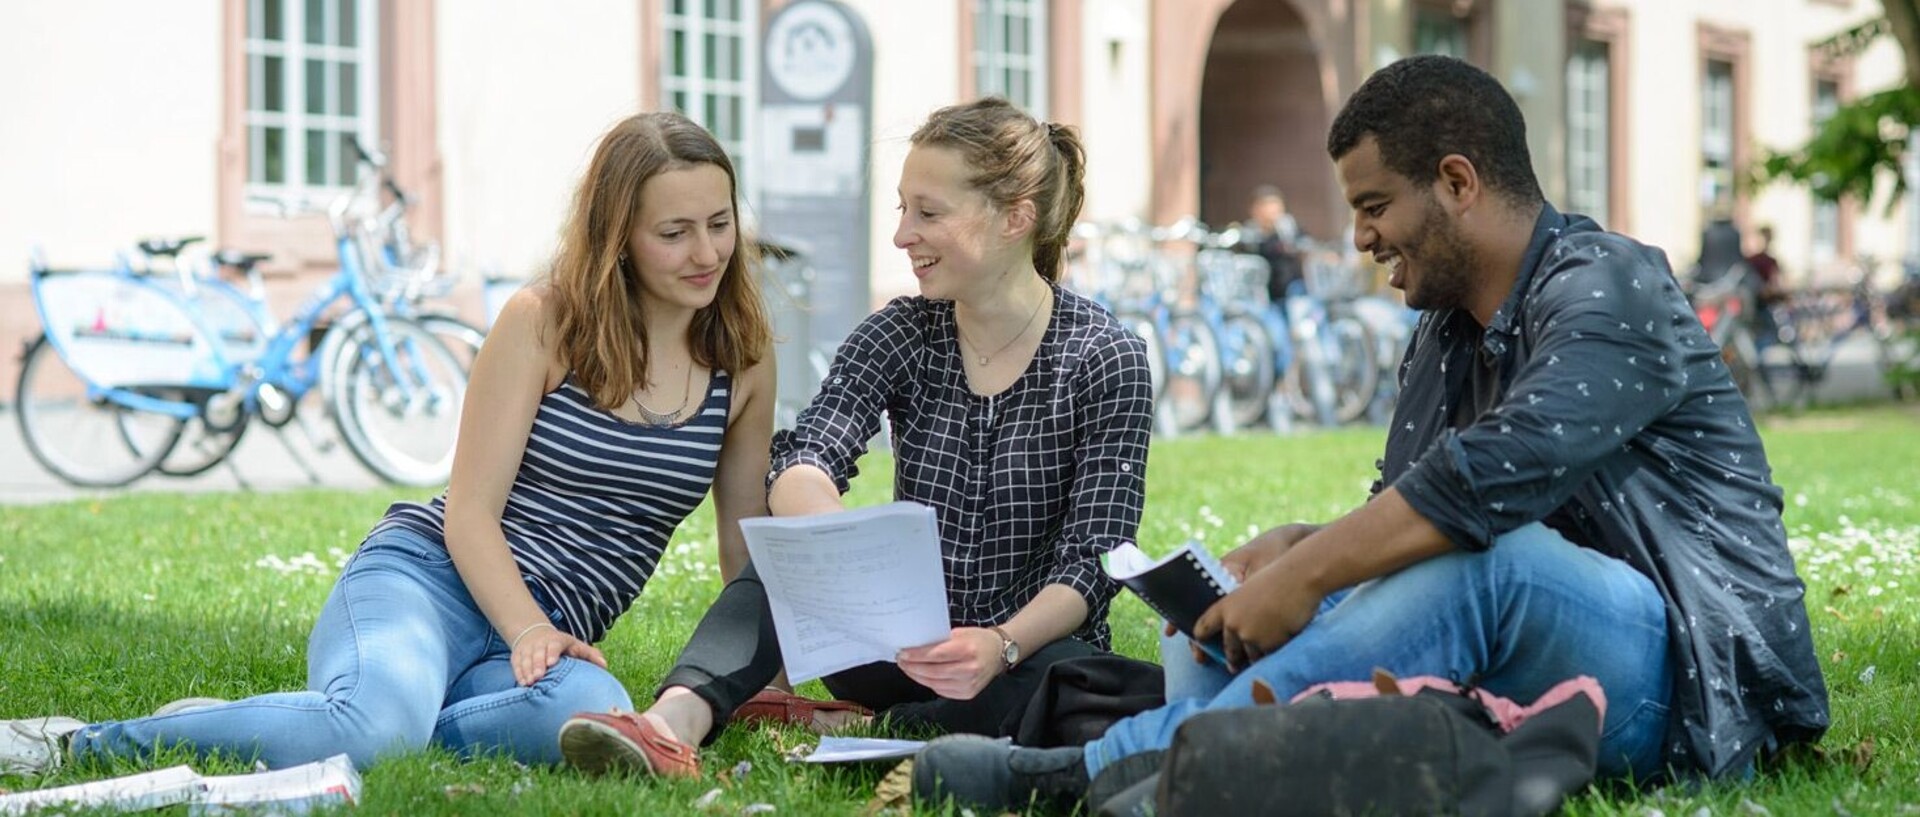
(595, 501)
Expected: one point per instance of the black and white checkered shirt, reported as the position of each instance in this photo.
(1030, 485)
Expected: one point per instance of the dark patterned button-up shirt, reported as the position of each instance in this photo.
(1029, 485)
(1616, 423)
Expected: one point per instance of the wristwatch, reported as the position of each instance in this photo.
(1009, 648)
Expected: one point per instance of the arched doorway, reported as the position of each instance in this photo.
(1264, 116)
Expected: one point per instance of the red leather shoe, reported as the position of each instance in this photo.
(598, 742)
(775, 706)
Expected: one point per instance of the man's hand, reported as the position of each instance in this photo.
(1261, 550)
(957, 668)
(1266, 612)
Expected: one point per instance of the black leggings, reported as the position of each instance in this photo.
(734, 654)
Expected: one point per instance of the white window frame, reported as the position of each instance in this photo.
(1589, 128)
(1717, 115)
(293, 192)
(993, 56)
(698, 88)
(1824, 244)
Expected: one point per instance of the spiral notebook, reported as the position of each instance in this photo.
(1180, 586)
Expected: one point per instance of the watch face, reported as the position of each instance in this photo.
(1010, 653)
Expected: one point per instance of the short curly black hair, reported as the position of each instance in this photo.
(1420, 109)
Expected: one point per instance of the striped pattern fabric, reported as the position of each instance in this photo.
(595, 501)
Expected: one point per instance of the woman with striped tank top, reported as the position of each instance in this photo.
(1020, 413)
(608, 398)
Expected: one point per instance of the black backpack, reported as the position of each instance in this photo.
(1432, 752)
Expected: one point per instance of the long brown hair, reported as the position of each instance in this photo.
(597, 304)
(1015, 157)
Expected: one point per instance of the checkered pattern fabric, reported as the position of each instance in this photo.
(1030, 485)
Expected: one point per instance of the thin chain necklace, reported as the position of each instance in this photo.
(657, 418)
(985, 359)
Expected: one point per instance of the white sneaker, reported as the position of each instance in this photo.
(185, 704)
(34, 745)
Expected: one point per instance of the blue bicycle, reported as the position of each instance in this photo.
(127, 362)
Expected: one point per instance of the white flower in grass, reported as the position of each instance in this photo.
(1866, 675)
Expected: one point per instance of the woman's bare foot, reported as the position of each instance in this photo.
(682, 714)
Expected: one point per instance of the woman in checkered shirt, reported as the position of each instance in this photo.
(1019, 411)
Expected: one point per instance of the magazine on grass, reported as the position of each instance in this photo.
(291, 791)
(1180, 586)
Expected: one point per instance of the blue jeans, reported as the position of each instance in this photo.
(400, 656)
(1520, 617)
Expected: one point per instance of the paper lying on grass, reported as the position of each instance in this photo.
(850, 588)
(843, 750)
(290, 791)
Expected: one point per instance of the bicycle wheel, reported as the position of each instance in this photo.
(1247, 370)
(1355, 368)
(400, 415)
(1156, 354)
(200, 449)
(1194, 371)
(84, 441)
(461, 338)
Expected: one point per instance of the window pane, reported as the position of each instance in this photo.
(679, 101)
(276, 156)
(349, 12)
(256, 154)
(347, 159)
(730, 58)
(713, 8)
(316, 87)
(711, 110)
(275, 27)
(677, 7)
(274, 83)
(677, 53)
(712, 43)
(316, 22)
(1016, 34)
(349, 89)
(316, 157)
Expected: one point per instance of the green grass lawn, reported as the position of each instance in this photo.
(109, 608)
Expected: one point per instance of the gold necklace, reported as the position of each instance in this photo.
(655, 418)
(986, 359)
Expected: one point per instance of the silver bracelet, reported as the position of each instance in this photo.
(515, 643)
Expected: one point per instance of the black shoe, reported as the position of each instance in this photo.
(984, 773)
(1127, 786)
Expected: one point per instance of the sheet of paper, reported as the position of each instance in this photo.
(293, 790)
(850, 588)
(843, 750)
(140, 792)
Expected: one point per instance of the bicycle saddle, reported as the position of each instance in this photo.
(244, 261)
(168, 246)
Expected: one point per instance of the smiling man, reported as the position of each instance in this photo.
(1572, 486)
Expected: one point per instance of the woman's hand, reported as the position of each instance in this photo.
(957, 668)
(541, 646)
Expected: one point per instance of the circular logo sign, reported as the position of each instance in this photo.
(810, 51)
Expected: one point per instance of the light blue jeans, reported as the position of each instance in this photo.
(1529, 612)
(399, 657)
